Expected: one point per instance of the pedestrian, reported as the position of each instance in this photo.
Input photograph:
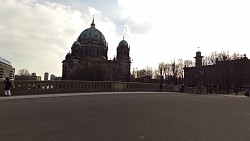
(236, 91)
(182, 88)
(161, 87)
(247, 92)
(8, 84)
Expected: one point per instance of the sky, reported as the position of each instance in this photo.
(37, 34)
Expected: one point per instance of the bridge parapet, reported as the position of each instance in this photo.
(72, 86)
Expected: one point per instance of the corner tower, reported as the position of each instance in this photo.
(123, 51)
(198, 59)
(123, 59)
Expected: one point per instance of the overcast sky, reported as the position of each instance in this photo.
(37, 34)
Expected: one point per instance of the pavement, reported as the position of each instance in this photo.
(125, 116)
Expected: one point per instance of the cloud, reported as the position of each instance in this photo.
(37, 36)
(137, 27)
(93, 11)
(34, 35)
(174, 29)
(108, 28)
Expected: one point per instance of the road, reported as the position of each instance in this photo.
(125, 117)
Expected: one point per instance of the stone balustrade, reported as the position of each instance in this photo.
(61, 86)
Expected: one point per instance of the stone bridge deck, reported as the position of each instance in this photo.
(125, 116)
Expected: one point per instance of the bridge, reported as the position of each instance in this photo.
(124, 116)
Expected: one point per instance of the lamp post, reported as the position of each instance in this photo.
(137, 74)
(161, 78)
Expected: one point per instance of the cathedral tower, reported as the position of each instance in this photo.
(123, 51)
(123, 59)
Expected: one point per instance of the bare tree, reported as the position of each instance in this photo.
(237, 56)
(179, 68)
(155, 73)
(144, 75)
(208, 61)
(222, 56)
(174, 72)
(141, 73)
(23, 72)
(149, 71)
(188, 63)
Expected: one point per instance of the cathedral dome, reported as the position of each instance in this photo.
(92, 34)
(123, 43)
(77, 43)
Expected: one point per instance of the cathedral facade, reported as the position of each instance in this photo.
(88, 59)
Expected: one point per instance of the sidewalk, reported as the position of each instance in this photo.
(70, 94)
(13, 97)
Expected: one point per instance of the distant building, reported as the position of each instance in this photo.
(52, 77)
(58, 78)
(46, 76)
(225, 74)
(88, 59)
(6, 69)
(33, 74)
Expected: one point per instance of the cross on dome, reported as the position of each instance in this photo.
(93, 22)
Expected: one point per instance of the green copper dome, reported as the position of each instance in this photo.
(92, 34)
(77, 43)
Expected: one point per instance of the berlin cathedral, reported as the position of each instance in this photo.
(88, 59)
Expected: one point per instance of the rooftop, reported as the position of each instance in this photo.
(2, 60)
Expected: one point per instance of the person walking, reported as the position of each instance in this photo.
(8, 84)
(236, 91)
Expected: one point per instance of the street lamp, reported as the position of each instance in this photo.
(161, 78)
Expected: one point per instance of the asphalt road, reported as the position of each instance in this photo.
(125, 117)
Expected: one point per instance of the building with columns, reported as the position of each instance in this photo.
(88, 59)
